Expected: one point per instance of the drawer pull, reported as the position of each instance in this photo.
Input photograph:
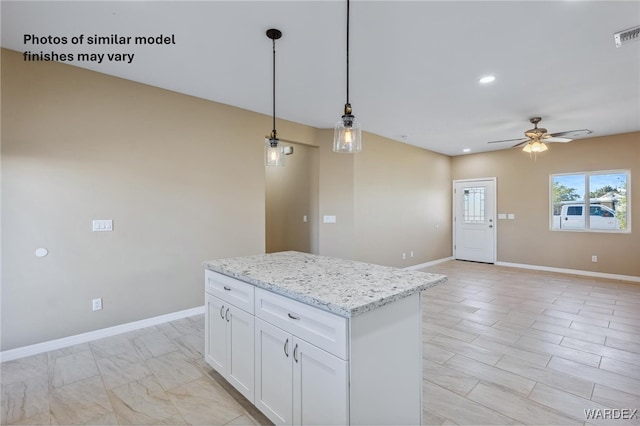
(226, 288)
(286, 348)
(221, 314)
(293, 316)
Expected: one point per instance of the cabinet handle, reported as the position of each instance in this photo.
(295, 353)
(221, 314)
(226, 315)
(286, 348)
(293, 316)
(226, 288)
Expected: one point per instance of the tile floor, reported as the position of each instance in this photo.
(152, 376)
(501, 346)
(506, 346)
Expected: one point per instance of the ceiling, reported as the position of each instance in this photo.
(414, 65)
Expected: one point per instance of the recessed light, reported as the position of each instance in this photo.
(487, 79)
(466, 150)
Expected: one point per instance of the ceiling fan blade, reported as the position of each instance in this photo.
(555, 139)
(526, 141)
(571, 133)
(511, 140)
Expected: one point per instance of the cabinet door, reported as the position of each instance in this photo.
(215, 340)
(320, 386)
(240, 351)
(274, 388)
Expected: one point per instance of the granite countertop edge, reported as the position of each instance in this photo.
(431, 280)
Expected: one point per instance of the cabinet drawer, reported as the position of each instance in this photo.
(323, 329)
(230, 290)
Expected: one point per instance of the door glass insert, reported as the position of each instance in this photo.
(473, 209)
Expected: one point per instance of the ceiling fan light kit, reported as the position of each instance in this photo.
(537, 138)
(535, 147)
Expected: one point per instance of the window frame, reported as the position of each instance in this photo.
(587, 201)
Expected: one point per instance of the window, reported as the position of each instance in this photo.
(474, 205)
(604, 194)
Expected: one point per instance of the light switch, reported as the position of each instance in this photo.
(502, 215)
(102, 225)
(329, 219)
(511, 216)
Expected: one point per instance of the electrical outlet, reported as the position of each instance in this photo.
(411, 254)
(404, 256)
(97, 304)
(594, 258)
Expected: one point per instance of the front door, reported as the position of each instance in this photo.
(474, 233)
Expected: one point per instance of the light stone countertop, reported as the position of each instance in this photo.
(344, 287)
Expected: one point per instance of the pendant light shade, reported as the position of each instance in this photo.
(273, 150)
(347, 135)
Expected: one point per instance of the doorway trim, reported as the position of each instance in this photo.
(494, 204)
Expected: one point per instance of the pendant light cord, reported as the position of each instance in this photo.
(347, 52)
(274, 89)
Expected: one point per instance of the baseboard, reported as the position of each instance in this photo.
(571, 271)
(96, 334)
(428, 264)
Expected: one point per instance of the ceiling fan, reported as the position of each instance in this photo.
(537, 137)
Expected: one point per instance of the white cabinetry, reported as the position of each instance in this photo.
(297, 382)
(229, 336)
(302, 372)
(320, 386)
(301, 365)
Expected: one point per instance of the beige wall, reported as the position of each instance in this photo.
(292, 193)
(390, 199)
(402, 199)
(336, 199)
(523, 189)
(183, 180)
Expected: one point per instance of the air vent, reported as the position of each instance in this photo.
(627, 36)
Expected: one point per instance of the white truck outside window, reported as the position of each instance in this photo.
(605, 195)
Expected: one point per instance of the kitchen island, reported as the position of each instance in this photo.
(318, 340)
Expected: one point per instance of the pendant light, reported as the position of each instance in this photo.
(347, 135)
(273, 150)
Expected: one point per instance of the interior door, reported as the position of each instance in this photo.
(474, 220)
